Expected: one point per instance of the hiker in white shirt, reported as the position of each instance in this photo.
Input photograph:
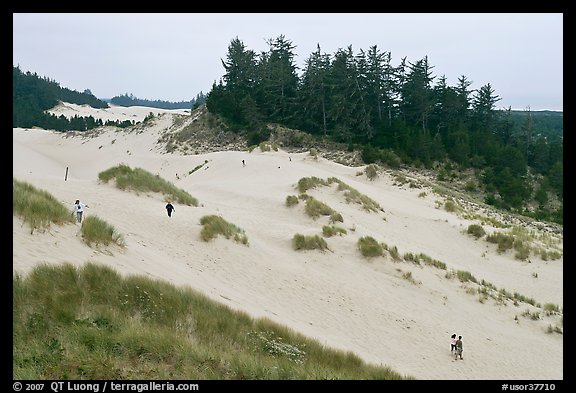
(79, 209)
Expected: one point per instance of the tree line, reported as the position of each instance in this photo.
(129, 100)
(33, 95)
(393, 114)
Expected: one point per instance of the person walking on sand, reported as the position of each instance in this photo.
(453, 343)
(79, 209)
(243, 163)
(459, 348)
(169, 209)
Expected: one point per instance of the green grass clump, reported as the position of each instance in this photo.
(91, 323)
(315, 242)
(336, 217)
(197, 167)
(428, 260)
(314, 208)
(522, 250)
(96, 231)
(549, 255)
(307, 183)
(37, 207)
(394, 253)
(143, 181)
(331, 230)
(213, 226)
(355, 196)
(350, 194)
(369, 247)
(465, 276)
(291, 200)
(476, 230)
(504, 241)
(451, 206)
(371, 171)
(551, 309)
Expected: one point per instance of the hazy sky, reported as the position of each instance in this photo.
(172, 57)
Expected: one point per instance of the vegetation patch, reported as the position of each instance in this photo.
(504, 240)
(291, 200)
(313, 242)
(354, 196)
(307, 183)
(91, 323)
(476, 230)
(143, 181)
(314, 208)
(369, 247)
(96, 231)
(213, 225)
(332, 230)
(38, 208)
(197, 167)
(371, 172)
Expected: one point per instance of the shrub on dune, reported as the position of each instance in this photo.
(315, 242)
(97, 231)
(37, 207)
(213, 226)
(141, 180)
(369, 247)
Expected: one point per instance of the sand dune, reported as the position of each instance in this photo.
(339, 297)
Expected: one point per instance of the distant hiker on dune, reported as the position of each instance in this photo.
(169, 209)
(459, 348)
(79, 209)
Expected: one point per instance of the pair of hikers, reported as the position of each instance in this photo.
(456, 346)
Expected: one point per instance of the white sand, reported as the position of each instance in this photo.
(114, 112)
(340, 298)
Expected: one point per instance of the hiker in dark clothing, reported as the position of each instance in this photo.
(169, 209)
(459, 348)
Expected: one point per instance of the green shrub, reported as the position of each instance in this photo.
(315, 242)
(476, 230)
(353, 195)
(96, 231)
(369, 247)
(394, 253)
(504, 241)
(450, 206)
(551, 309)
(314, 208)
(522, 250)
(307, 183)
(371, 171)
(331, 230)
(213, 226)
(470, 186)
(336, 217)
(465, 276)
(291, 200)
(264, 146)
(38, 208)
(143, 181)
